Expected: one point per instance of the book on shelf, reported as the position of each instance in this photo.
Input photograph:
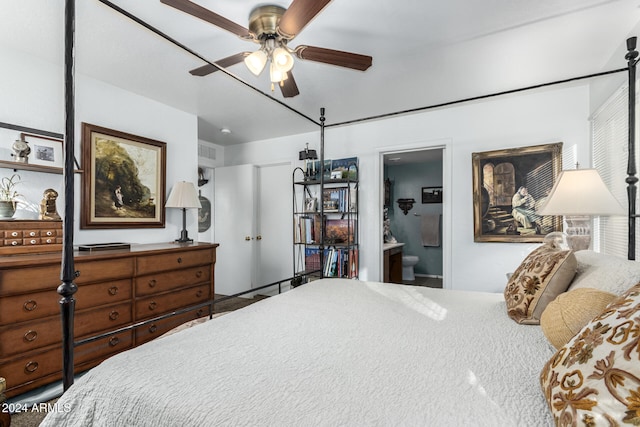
(340, 231)
(307, 229)
(312, 259)
(340, 262)
(346, 168)
(335, 199)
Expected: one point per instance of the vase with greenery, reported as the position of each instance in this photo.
(8, 195)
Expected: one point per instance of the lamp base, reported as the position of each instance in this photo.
(578, 232)
(184, 237)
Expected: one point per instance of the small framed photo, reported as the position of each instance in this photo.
(45, 151)
(431, 194)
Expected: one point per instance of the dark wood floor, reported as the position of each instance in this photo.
(235, 303)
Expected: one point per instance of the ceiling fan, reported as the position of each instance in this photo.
(273, 27)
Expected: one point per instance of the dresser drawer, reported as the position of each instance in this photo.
(40, 364)
(29, 336)
(36, 305)
(12, 234)
(97, 271)
(102, 318)
(160, 304)
(15, 280)
(161, 282)
(163, 262)
(154, 330)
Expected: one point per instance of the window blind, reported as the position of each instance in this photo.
(609, 138)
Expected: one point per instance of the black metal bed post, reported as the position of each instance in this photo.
(632, 180)
(67, 271)
(321, 201)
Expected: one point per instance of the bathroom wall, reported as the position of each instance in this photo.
(406, 182)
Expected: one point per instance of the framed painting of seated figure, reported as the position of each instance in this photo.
(509, 188)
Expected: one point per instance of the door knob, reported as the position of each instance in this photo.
(258, 237)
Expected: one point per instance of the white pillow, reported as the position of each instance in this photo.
(605, 272)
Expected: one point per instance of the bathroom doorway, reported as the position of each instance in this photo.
(413, 206)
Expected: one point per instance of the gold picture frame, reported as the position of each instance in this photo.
(124, 180)
(509, 186)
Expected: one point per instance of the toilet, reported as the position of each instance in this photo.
(408, 262)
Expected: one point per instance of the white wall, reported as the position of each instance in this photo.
(32, 95)
(531, 118)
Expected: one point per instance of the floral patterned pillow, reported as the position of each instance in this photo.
(595, 378)
(543, 275)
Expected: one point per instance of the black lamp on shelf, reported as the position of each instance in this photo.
(307, 155)
(184, 196)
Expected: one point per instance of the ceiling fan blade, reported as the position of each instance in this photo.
(289, 89)
(334, 57)
(298, 15)
(209, 16)
(224, 63)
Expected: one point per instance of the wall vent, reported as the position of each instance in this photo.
(206, 151)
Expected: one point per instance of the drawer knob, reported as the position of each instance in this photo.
(49, 241)
(31, 367)
(199, 274)
(152, 283)
(200, 313)
(113, 290)
(49, 233)
(152, 305)
(179, 260)
(30, 335)
(32, 233)
(14, 243)
(114, 341)
(33, 241)
(114, 315)
(199, 293)
(14, 234)
(153, 328)
(30, 305)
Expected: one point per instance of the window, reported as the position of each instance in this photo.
(609, 138)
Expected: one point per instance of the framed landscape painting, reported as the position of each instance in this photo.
(509, 188)
(123, 184)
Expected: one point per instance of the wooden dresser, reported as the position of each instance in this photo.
(116, 288)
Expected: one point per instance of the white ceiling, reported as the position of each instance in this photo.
(424, 53)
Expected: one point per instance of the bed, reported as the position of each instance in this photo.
(331, 352)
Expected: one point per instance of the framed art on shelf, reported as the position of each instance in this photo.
(45, 151)
(509, 187)
(123, 185)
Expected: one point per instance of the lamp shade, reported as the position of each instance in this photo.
(183, 195)
(256, 62)
(282, 59)
(581, 192)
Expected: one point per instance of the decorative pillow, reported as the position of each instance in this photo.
(594, 379)
(543, 275)
(570, 311)
(605, 272)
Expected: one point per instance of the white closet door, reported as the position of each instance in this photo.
(275, 219)
(234, 220)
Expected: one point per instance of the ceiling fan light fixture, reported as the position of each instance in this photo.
(256, 62)
(282, 59)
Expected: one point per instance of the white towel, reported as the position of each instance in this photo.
(430, 229)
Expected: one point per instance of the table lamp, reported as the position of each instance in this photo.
(579, 194)
(184, 196)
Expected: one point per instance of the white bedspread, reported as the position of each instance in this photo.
(329, 353)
